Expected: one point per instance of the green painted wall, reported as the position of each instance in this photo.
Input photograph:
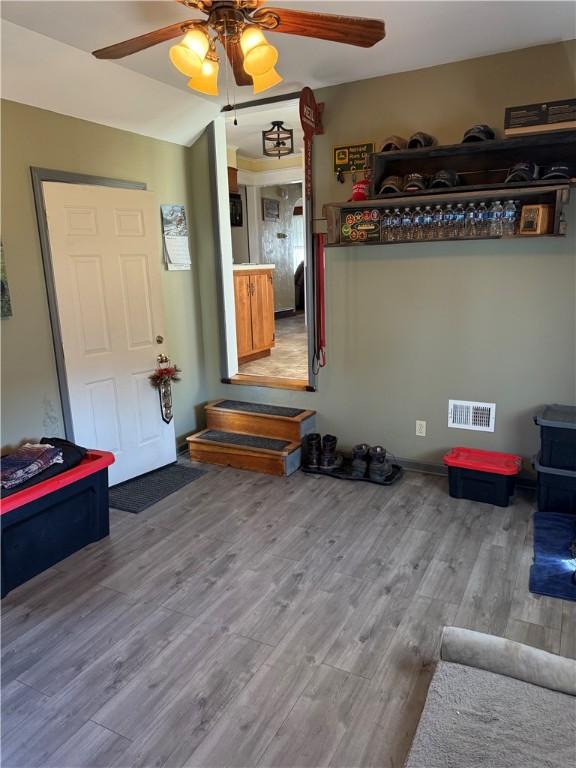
(411, 326)
(408, 326)
(35, 137)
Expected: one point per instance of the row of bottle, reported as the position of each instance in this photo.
(442, 222)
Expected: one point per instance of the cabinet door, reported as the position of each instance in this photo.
(262, 311)
(242, 297)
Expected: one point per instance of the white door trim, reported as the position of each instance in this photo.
(40, 175)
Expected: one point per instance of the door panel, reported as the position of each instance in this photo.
(243, 314)
(106, 260)
(136, 295)
(262, 311)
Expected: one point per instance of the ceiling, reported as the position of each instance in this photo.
(246, 137)
(419, 34)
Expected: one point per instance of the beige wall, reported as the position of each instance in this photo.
(410, 326)
(34, 137)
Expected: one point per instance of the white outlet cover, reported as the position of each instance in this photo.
(421, 428)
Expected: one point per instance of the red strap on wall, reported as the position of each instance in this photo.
(319, 268)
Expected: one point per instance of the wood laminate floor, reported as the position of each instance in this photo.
(289, 357)
(249, 620)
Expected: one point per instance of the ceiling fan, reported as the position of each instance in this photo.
(238, 25)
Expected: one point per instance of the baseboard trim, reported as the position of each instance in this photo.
(524, 480)
(281, 313)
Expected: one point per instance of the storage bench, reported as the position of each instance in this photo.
(47, 522)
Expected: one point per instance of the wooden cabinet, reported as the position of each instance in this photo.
(254, 299)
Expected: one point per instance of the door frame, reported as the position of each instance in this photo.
(40, 175)
(218, 163)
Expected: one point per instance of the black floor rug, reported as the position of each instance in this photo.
(138, 494)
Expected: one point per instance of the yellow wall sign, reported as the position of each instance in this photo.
(351, 157)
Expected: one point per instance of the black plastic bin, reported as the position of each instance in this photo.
(485, 476)
(558, 436)
(556, 489)
(50, 520)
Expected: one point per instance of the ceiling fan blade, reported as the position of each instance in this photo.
(325, 26)
(140, 43)
(236, 59)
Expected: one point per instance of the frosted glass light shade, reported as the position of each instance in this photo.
(197, 40)
(251, 38)
(190, 52)
(266, 81)
(207, 81)
(259, 56)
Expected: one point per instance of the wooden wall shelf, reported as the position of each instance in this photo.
(555, 194)
(477, 163)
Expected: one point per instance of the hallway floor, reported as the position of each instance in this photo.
(289, 358)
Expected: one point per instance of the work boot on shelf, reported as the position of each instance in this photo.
(329, 459)
(379, 469)
(360, 455)
(312, 447)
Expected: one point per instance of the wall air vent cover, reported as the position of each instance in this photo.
(466, 414)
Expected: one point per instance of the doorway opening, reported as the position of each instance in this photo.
(268, 315)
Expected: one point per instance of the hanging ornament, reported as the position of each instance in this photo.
(161, 380)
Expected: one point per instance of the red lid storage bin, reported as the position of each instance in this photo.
(485, 476)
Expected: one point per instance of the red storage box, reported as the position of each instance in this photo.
(485, 476)
(47, 522)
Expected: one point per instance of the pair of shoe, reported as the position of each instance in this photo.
(320, 452)
(370, 462)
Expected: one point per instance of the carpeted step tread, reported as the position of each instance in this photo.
(258, 408)
(244, 441)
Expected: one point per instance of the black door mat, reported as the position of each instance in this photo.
(261, 408)
(246, 441)
(141, 492)
(344, 472)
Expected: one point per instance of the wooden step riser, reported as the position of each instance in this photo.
(254, 424)
(251, 460)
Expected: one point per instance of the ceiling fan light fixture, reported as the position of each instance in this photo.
(189, 54)
(259, 56)
(198, 41)
(266, 81)
(207, 81)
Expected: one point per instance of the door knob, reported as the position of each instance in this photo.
(159, 339)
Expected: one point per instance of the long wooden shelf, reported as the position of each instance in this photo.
(556, 194)
(482, 162)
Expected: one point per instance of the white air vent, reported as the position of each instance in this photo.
(465, 414)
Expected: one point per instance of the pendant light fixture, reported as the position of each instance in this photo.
(278, 141)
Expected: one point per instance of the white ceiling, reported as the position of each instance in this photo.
(246, 137)
(419, 34)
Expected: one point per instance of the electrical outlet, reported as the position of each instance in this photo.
(421, 428)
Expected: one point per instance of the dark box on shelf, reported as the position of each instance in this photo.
(558, 436)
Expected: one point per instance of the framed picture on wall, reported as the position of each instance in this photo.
(235, 210)
(270, 209)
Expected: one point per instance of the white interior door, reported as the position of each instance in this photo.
(105, 251)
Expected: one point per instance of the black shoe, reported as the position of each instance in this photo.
(379, 469)
(360, 455)
(330, 459)
(311, 451)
